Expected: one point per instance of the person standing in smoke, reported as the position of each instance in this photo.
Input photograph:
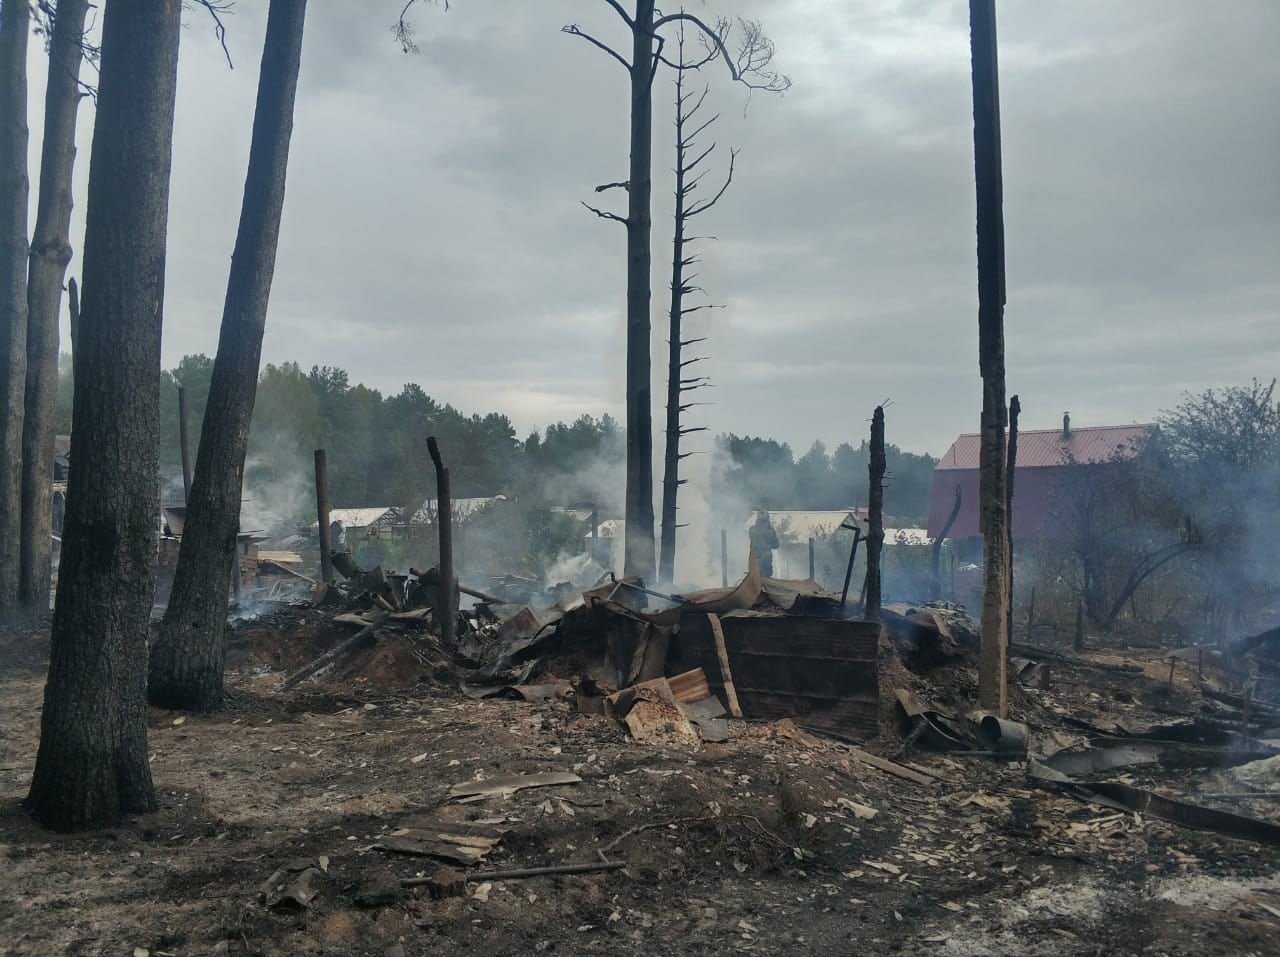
(764, 540)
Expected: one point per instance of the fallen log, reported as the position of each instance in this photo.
(891, 767)
(482, 596)
(334, 653)
(522, 873)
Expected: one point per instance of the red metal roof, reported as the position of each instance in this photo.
(1045, 448)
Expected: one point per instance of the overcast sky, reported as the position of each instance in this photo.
(433, 233)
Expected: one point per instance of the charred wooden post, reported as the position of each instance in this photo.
(1079, 642)
(444, 524)
(875, 516)
(992, 670)
(724, 558)
(813, 571)
(322, 516)
(1011, 457)
(848, 572)
(595, 533)
(1031, 612)
(935, 557)
(184, 443)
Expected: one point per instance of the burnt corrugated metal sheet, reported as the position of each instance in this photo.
(821, 673)
(1045, 448)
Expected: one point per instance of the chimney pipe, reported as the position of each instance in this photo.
(1066, 426)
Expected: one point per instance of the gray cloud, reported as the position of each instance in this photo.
(433, 232)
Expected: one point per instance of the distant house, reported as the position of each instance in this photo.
(1045, 459)
(366, 522)
(461, 509)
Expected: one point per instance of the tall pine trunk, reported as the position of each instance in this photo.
(15, 27)
(92, 768)
(187, 661)
(992, 500)
(50, 254)
(639, 498)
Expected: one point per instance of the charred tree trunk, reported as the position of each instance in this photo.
(15, 27)
(671, 458)
(992, 685)
(1015, 408)
(875, 516)
(322, 517)
(188, 659)
(50, 254)
(682, 284)
(638, 543)
(92, 767)
(935, 555)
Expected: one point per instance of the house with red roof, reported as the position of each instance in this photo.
(1045, 458)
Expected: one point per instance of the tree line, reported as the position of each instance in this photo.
(377, 453)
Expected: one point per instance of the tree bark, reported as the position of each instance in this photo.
(875, 516)
(50, 254)
(92, 768)
(992, 684)
(15, 27)
(187, 661)
(639, 496)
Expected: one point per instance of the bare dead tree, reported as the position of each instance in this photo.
(749, 62)
(187, 661)
(689, 172)
(1121, 521)
(50, 255)
(993, 505)
(15, 28)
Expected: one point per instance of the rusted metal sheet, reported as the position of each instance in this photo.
(820, 672)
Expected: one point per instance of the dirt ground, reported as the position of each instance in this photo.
(774, 842)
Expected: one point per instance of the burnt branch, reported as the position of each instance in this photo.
(623, 185)
(751, 64)
(618, 8)
(403, 31)
(702, 207)
(216, 8)
(575, 31)
(605, 214)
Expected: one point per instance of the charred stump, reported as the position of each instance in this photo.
(875, 517)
